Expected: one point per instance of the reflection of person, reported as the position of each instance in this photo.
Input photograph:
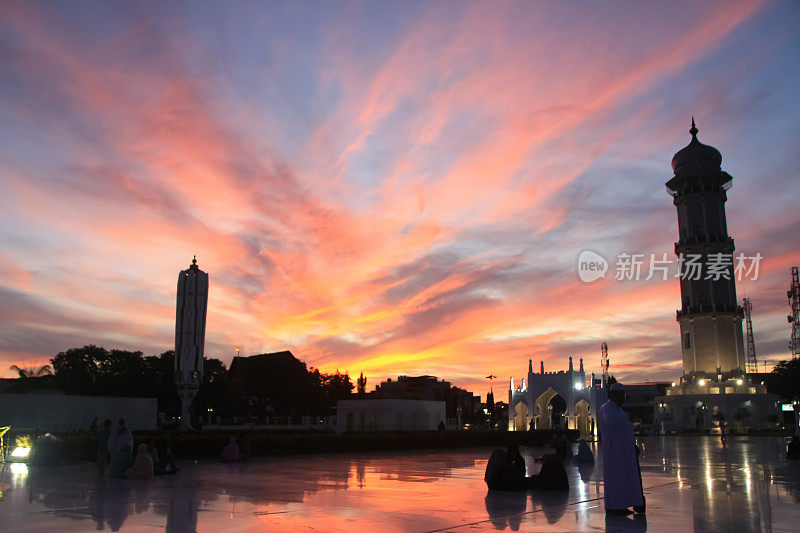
(143, 465)
(230, 453)
(120, 446)
(621, 478)
(505, 509)
(101, 445)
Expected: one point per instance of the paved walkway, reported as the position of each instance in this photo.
(691, 483)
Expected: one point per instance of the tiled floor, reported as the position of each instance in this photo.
(691, 483)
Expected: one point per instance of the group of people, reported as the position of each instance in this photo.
(622, 479)
(506, 470)
(115, 454)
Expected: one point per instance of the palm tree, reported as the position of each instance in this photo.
(32, 372)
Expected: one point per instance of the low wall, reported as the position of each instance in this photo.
(59, 412)
(209, 444)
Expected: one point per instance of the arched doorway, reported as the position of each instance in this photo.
(544, 418)
(557, 407)
(520, 417)
(582, 418)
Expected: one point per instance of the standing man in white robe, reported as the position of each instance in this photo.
(622, 485)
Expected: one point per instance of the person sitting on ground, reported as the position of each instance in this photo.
(552, 476)
(561, 445)
(143, 465)
(793, 451)
(230, 453)
(166, 464)
(498, 473)
(585, 455)
(516, 463)
(504, 474)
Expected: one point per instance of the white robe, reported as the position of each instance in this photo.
(621, 480)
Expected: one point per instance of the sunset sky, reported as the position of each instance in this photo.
(386, 187)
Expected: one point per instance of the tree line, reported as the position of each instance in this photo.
(96, 371)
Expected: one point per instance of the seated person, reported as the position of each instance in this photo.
(163, 464)
(561, 445)
(585, 455)
(504, 474)
(143, 465)
(230, 453)
(498, 474)
(552, 476)
(516, 462)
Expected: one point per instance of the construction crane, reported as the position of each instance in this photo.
(794, 319)
(751, 361)
(604, 361)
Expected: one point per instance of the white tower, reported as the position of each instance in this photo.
(190, 335)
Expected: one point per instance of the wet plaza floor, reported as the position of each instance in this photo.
(691, 484)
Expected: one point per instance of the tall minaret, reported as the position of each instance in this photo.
(709, 317)
(190, 335)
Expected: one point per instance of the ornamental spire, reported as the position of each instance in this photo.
(693, 130)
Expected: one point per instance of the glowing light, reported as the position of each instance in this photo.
(579, 386)
(19, 469)
(20, 452)
(702, 382)
(739, 382)
(673, 383)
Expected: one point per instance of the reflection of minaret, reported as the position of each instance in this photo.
(710, 319)
(190, 334)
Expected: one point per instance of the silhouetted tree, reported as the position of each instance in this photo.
(362, 385)
(26, 372)
(786, 379)
(76, 369)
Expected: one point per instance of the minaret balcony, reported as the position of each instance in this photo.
(710, 309)
(705, 239)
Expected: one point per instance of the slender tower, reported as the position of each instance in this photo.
(604, 362)
(752, 362)
(710, 319)
(190, 335)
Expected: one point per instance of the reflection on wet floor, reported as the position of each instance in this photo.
(691, 483)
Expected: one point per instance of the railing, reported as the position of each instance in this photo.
(704, 239)
(710, 308)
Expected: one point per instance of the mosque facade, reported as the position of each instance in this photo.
(555, 399)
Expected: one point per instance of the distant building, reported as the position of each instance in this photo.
(61, 412)
(273, 384)
(640, 401)
(461, 406)
(389, 415)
